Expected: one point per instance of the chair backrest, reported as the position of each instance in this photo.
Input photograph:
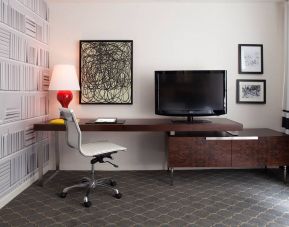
(73, 133)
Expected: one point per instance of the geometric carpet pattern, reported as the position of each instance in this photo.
(198, 198)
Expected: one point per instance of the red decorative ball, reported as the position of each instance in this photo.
(64, 97)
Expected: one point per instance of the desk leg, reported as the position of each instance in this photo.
(40, 167)
(42, 182)
(285, 174)
(57, 155)
(172, 175)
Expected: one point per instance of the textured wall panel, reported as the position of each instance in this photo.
(4, 176)
(24, 81)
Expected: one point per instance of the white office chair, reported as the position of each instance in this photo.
(97, 150)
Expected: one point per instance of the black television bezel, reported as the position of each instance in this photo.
(164, 113)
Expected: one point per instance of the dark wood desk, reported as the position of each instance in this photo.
(153, 125)
(140, 125)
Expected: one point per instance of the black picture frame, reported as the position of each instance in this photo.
(109, 59)
(253, 93)
(252, 56)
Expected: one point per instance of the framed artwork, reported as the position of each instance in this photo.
(251, 91)
(250, 59)
(106, 72)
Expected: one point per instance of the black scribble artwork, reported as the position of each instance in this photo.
(252, 59)
(106, 72)
(251, 91)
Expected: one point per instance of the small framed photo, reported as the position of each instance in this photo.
(251, 91)
(251, 59)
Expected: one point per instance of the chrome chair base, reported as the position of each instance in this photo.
(91, 183)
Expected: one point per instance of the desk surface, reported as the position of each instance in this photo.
(153, 125)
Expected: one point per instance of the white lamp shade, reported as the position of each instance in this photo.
(64, 78)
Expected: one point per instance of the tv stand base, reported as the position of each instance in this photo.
(191, 120)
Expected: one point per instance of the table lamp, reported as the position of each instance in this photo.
(64, 80)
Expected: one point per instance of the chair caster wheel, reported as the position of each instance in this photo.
(118, 196)
(112, 183)
(63, 194)
(87, 204)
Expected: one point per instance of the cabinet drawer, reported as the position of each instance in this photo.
(198, 152)
(250, 153)
(179, 151)
(278, 150)
(218, 153)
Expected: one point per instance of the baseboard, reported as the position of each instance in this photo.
(11, 195)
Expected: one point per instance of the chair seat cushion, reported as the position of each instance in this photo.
(92, 149)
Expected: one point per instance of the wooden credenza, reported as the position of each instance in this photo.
(251, 148)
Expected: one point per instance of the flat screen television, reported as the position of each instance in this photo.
(191, 93)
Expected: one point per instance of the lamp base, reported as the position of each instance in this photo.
(64, 97)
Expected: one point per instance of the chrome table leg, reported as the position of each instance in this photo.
(40, 167)
(42, 182)
(285, 174)
(172, 175)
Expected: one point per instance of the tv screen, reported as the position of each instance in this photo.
(191, 93)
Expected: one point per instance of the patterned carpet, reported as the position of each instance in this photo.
(198, 198)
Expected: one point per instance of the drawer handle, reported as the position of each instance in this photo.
(233, 138)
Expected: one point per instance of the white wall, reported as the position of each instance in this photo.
(170, 35)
